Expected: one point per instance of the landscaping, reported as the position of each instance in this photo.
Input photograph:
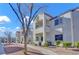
(76, 44)
(66, 44)
(46, 44)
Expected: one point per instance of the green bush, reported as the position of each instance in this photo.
(34, 44)
(46, 44)
(67, 44)
(58, 42)
(77, 44)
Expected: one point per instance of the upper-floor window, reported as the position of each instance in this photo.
(39, 24)
(58, 21)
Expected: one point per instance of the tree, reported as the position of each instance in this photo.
(22, 10)
(8, 35)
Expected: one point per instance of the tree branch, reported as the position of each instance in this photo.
(15, 13)
(19, 9)
(34, 15)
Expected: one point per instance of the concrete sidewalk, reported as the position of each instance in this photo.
(42, 50)
(2, 52)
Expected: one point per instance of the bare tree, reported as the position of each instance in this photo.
(8, 35)
(22, 10)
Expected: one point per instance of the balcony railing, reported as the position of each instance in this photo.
(38, 26)
(39, 29)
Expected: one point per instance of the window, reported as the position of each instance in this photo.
(41, 38)
(37, 38)
(58, 21)
(59, 37)
(39, 24)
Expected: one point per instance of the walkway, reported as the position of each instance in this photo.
(18, 49)
(42, 50)
(2, 49)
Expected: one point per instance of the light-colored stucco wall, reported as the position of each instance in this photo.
(44, 29)
(69, 28)
(75, 16)
(64, 28)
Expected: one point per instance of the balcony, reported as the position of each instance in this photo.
(39, 30)
(39, 24)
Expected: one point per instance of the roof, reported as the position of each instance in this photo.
(48, 14)
(59, 14)
(45, 14)
(66, 12)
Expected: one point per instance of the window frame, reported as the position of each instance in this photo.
(58, 21)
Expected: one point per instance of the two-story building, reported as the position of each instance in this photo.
(42, 29)
(63, 27)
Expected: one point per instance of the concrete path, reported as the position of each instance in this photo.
(2, 52)
(42, 50)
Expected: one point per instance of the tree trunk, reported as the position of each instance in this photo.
(25, 44)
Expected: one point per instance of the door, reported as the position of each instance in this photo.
(59, 37)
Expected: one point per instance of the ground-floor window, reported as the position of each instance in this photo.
(41, 38)
(59, 37)
(37, 38)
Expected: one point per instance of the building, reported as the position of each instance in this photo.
(63, 27)
(42, 29)
(20, 37)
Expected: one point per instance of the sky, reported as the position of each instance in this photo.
(9, 21)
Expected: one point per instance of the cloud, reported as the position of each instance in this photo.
(27, 17)
(2, 29)
(4, 19)
(17, 28)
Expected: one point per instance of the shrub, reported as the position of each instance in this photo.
(46, 44)
(34, 44)
(58, 42)
(67, 44)
(77, 44)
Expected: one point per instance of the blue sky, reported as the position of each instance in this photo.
(53, 9)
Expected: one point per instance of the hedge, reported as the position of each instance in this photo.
(77, 44)
(67, 44)
(58, 42)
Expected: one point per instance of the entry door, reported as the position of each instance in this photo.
(41, 38)
(59, 37)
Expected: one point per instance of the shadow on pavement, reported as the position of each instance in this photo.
(12, 49)
(35, 53)
(76, 49)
